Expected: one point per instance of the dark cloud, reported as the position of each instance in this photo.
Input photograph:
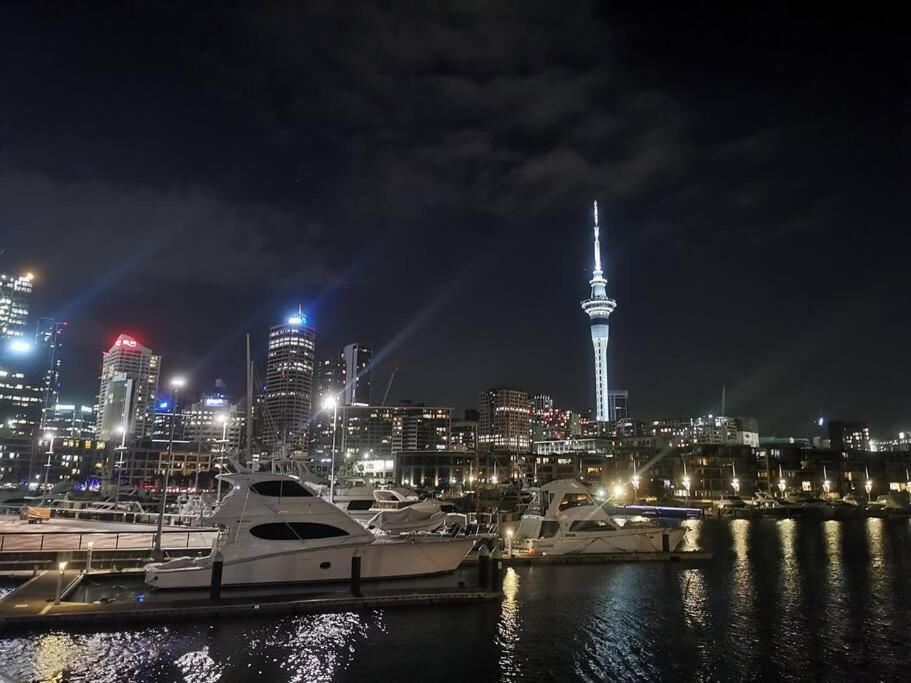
(420, 175)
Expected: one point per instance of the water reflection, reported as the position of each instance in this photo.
(788, 638)
(508, 628)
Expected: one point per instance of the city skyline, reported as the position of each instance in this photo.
(748, 250)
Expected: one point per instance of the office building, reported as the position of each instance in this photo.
(49, 346)
(288, 394)
(849, 436)
(128, 391)
(21, 400)
(618, 404)
(504, 424)
(15, 292)
(598, 307)
(72, 421)
(356, 360)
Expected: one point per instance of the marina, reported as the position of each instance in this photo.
(784, 597)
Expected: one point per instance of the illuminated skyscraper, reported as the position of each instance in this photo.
(128, 390)
(288, 395)
(505, 422)
(15, 291)
(356, 362)
(599, 307)
(49, 344)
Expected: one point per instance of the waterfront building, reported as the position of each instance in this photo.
(618, 404)
(541, 403)
(598, 307)
(15, 293)
(554, 423)
(288, 394)
(440, 469)
(370, 436)
(68, 420)
(128, 390)
(707, 430)
(356, 359)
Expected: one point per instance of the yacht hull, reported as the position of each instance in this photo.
(614, 541)
(380, 559)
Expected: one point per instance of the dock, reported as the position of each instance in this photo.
(32, 604)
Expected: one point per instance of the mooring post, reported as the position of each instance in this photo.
(61, 567)
(665, 542)
(356, 574)
(496, 570)
(88, 558)
(218, 565)
(484, 566)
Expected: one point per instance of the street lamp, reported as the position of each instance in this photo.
(176, 385)
(47, 466)
(635, 482)
(122, 430)
(618, 490)
(686, 486)
(782, 485)
(827, 486)
(868, 486)
(735, 484)
(331, 402)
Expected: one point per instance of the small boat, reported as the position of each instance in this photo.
(564, 519)
(274, 530)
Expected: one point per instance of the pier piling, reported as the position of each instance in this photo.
(356, 574)
(218, 564)
(496, 570)
(483, 567)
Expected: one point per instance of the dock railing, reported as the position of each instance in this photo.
(104, 540)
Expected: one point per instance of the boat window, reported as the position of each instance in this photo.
(589, 525)
(573, 500)
(549, 529)
(293, 531)
(280, 488)
(360, 504)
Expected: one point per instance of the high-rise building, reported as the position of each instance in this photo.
(15, 292)
(288, 395)
(21, 396)
(618, 404)
(71, 421)
(128, 390)
(49, 344)
(849, 436)
(356, 360)
(598, 307)
(505, 421)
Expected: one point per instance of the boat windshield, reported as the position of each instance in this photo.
(280, 488)
(590, 525)
(573, 500)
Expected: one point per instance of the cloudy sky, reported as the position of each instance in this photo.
(419, 176)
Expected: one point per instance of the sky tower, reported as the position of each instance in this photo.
(599, 307)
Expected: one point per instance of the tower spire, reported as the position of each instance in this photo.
(597, 272)
(599, 307)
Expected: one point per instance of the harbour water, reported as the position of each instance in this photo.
(791, 599)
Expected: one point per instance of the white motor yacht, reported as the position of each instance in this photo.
(274, 530)
(564, 519)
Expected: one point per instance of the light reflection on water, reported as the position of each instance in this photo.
(783, 599)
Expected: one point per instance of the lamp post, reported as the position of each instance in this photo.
(686, 479)
(735, 482)
(47, 465)
(122, 429)
(782, 484)
(332, 402)
(176, 384)
(618, 491)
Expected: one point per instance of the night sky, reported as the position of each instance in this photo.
(419, 177)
